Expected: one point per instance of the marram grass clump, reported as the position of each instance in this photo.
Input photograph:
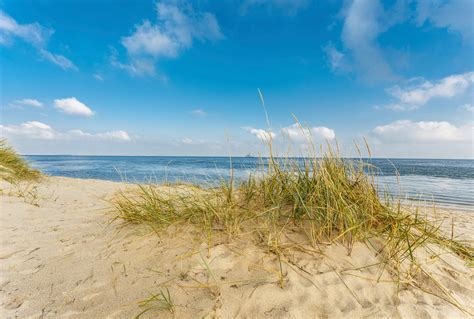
(13, 168)
(327, 199)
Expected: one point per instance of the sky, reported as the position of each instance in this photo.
(130, 77)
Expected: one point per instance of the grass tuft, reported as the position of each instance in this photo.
(13, 168)
(328, 199)
(160, 301)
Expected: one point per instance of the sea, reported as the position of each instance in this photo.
(443, 182)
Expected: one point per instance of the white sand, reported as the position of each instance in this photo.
(62, 258)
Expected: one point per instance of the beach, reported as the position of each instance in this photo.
(62, 255)
(237, 159)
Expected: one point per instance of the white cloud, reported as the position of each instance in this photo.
(57, 59)
(298, 133)
(34, 34)
(136, 65)
(110, 135)
(295, 132)
(98, 77)
(176, 28)
(32, 129)
(118, 135)
(41, 131)
(261, 134)
(456, 15)
(73, 106)
(198, 113)
(468, 107)
(364, 21)
(424, 131)
(149, 39)
(413, 96)
(191, 141)
(28, 102)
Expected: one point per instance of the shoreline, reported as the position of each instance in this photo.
(61, 256)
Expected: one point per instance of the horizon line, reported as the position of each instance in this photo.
(244, 156)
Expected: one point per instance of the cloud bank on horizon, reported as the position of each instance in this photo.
(180, 77)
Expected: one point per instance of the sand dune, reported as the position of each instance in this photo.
(61, 257)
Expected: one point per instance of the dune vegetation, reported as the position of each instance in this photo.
(13, 168)
(324, 199)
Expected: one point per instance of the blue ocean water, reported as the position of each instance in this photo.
(445, 182)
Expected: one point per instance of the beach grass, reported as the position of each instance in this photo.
(327, 199)
(13, 168)
(160, 301)
(330, 199)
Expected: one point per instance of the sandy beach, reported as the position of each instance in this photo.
(253, 159)
(61, 256)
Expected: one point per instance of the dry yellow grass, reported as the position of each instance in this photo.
(325, 200)
(13, 167)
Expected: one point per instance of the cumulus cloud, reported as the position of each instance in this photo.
(295, 132)
(32, 129)
(420, 93)
(34, 34)
(302, 134)
(424, 131)
(175, 30)
(456, 15)
(73, 106)
(27, 102)
(150, 40)
(261, 134)
(40, 131)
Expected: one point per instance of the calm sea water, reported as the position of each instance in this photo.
(446, 182)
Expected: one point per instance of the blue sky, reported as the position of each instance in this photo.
(181, 77)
